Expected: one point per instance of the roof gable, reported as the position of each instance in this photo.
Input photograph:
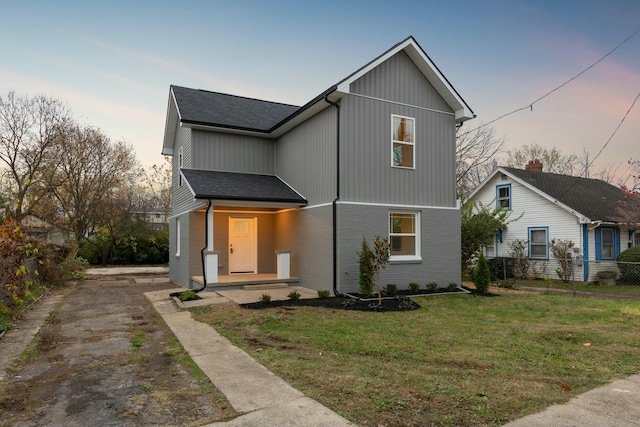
(427, 68)
(588, 199)
(200, 108)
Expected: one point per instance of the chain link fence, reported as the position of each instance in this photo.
(566, 270)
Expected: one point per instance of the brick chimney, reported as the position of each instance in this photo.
(534, 165)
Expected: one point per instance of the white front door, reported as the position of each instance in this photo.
(243, 247)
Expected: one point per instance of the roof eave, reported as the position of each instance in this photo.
(253, 203)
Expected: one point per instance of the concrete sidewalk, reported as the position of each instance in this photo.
(262, 398)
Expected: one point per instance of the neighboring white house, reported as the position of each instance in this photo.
(551, 206)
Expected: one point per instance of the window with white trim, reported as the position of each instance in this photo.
(608, 243)
(490, 247)
(539, 243)
(404, 236)
(403, 142)
(503, 196)
(177, 237)
(636, 238)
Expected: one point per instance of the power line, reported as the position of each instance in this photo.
(530, 105)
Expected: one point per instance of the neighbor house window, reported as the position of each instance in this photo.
(178, 237)
(490, 247)
(607, 243)
(403, 141)
(404, 233)
(636, 238)
(503, 196)
(538, 243)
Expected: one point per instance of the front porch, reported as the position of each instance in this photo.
(245, 281)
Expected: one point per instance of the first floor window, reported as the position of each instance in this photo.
(404, 235)
(538, 243)
(636, 238)
(177, 237)
(607, 243)
(490, 248)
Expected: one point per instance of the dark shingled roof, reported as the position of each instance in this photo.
(593, 198)
(229, 111)
(240, 186)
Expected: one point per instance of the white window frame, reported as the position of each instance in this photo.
(546, 242)
(411, 143)
(500, 199)
(636, 238)
(177, 237)
(415, 234)
(611, 244)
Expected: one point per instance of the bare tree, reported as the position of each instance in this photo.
(156, 188)
(31, 131)
(92, 171)
(552, 159)
(475, 157)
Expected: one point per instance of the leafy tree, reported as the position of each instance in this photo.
(478, 223)
(482, 275)
(365, 260)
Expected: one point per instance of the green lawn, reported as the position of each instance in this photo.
(459, 360)
(581, 286)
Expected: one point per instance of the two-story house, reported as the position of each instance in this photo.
(275, 190)
(547, 207)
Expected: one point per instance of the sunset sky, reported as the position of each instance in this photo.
(112, 62)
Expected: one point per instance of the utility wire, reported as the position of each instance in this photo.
(530, 105)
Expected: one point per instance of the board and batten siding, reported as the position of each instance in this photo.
(366, 149)
(439, 242)
(179, 265)
(229, 152)
(396, 87)
(536, 211)
(181, 197)
(399, 80)
(306, 157)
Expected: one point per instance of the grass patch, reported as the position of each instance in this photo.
(137, 339)
(459, 360)
(581, 286)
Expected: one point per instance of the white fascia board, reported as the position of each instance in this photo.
(171, 123)
(427, 68)
(541, 193)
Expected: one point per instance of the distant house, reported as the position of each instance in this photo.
(154, 218)
(42, 230)
(557, 207)
(269, 190)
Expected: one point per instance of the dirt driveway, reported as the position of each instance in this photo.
(105, 357)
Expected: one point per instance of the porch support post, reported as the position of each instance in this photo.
(210, 229)
(283, 264)
(211, 266)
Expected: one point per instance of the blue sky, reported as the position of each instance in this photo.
(112, 62)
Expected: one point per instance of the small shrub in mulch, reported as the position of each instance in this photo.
(399, 303)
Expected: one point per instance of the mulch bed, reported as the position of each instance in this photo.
(400, 302)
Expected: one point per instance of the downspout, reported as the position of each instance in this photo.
(335, 201)
(206, 245)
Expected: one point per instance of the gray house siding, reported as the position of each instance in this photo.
(397, 87)
(179, 265)
(182, 198)
(440, 246)
(366, 172)
(399, 80)
(306, 157)
(308, 234)
(232, 153)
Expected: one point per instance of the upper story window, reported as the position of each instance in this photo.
(539, 243)
(404, 236)
(403, 131)
(503, 196)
